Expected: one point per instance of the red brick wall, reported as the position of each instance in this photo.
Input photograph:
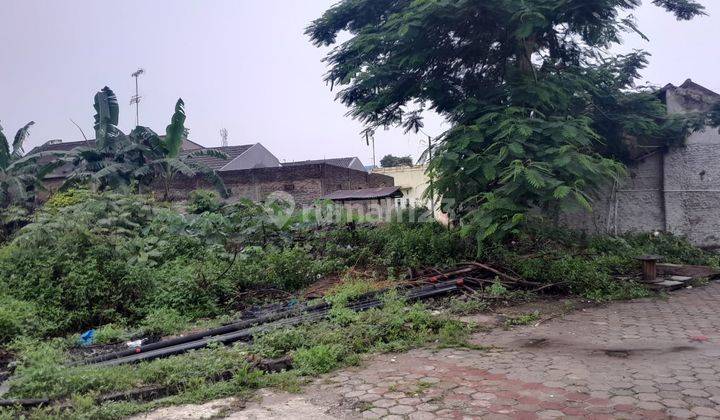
(306, 183)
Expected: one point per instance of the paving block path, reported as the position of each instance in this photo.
(649, 358)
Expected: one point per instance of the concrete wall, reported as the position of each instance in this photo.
(635, 204)
(692, 188)
(674, 189)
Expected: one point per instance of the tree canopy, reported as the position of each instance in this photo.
(389, 161)
(542, 111)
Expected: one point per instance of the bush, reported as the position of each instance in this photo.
(67, 198)
(201, 201)
(163, 321)
(276, 343)
(397, 246)
(19, 317)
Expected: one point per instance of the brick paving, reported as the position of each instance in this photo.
(650, 358)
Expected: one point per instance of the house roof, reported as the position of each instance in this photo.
(686, 88)
(343, 162)
(364, 194)
(62, 146)
(216, 163)
(66, 146)
(689, 84)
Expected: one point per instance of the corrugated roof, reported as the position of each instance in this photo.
(216, 163)
(364, 194)
(343, 162)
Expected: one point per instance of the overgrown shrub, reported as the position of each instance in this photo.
(163, 321)
(19, 317)
(66, 198)
(201, 201)
(110, 333)
(90, 259)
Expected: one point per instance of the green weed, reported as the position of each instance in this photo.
(466, 307)
(525, 319)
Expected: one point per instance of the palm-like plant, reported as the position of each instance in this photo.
(118, 160)
(110, 162)
(20, 177)
(169, 161)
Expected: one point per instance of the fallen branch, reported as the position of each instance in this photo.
(501, 274)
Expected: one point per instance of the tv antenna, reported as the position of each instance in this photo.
(136, 98)
(369, 134)
(224, 137)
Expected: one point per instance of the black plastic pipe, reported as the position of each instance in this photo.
(174, 348)
(237, 326)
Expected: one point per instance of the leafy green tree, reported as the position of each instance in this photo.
(20, 176)
(389, 161)
(542, 113)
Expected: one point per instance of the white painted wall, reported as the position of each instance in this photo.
(256, 156)
(413, 182)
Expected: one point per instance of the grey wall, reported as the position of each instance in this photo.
(635, 204)
(675, 190)
(692, 188)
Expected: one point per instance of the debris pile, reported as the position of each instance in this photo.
(668, 277)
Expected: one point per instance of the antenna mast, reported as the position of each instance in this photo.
(224, 137)
(136, 98)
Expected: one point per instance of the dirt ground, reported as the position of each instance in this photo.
(649, 358)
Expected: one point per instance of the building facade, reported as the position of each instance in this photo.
(414, 182)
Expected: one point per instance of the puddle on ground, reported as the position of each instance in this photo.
(620, 353)
(625, 353)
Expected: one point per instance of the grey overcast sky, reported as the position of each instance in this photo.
(240, 64)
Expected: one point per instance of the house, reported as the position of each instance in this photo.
(413, 182)
(304, 183)
(672, 189)
(246, 156)
(345, 162)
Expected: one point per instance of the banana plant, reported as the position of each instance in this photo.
(169, 161)
(140, 158)
(107, 114)
(21, 176)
